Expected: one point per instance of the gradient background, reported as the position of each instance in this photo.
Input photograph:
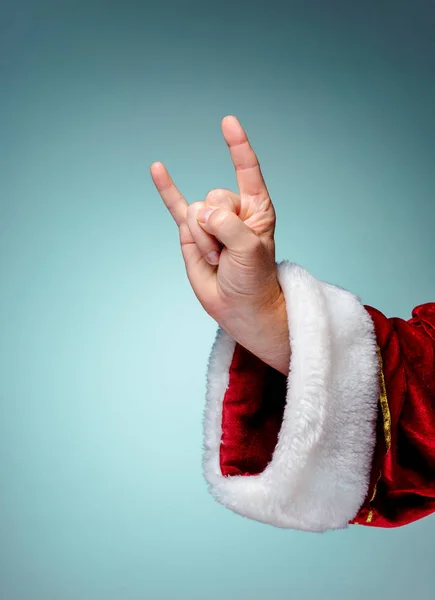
(104, 346)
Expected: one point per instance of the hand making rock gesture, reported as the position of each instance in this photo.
(228, 246)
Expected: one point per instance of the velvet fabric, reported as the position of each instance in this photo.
(402, 479)
(252, 413)
(403, 470)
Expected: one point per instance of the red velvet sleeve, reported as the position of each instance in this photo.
(402, 487)
(348, 437)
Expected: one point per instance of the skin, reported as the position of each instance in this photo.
(227, 242)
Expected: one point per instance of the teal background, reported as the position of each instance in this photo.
(103, 344)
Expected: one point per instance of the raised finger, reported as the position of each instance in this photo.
(248, 173)
(171, 196)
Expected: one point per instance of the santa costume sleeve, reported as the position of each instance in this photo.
(348, 437)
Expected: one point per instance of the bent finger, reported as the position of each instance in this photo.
(207, 243)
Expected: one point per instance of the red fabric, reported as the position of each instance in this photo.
(402, 477)
(252, 413)
(405, 473)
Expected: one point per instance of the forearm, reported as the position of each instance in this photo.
(264, 333)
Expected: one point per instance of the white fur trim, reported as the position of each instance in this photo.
(318, 477)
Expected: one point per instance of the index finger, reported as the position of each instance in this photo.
(174, 200)
(248, 173)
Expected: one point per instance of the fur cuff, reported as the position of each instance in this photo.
(318, 475)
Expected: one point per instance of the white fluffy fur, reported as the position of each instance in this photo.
(319, 473)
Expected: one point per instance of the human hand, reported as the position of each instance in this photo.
(238, 286)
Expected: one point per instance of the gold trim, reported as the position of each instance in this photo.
(384, 405)
(387, 426)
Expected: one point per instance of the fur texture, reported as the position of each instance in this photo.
(319, 473)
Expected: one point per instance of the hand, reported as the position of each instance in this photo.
(228, 247)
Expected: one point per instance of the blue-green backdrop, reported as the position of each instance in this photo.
(104, 346)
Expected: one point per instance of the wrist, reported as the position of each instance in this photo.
(275, 349)
(264, 332)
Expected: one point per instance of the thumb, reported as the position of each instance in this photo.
(227, 227)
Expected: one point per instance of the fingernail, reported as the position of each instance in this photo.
(204, 214)
(212, 257)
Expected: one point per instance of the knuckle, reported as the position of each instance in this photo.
(214, 194)
(193, 208)
(218, 218)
